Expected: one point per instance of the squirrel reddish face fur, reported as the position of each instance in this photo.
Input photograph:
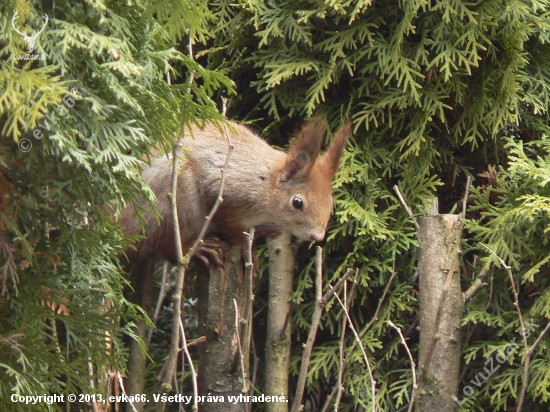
(264, 188)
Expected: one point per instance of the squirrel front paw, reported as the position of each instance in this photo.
(212, 251)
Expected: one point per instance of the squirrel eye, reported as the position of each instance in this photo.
(298, 203)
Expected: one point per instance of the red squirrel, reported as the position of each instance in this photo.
(265, 188)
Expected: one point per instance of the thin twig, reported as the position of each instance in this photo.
(358, 340)
(478, 284)
(321, 301)
(239, 347)
(316, 319)
(534, 345)
(380, 302)
(176, 297)
(492, 285)
(185, 349)
(218, 202)
(92, 383)
(121, 383)
(192, 56)
(248, 299)
(329, 398)
(525, 376)
(405, 205)
(466, 193)
(341, 348)
(254, 374)
(413, 365)
(336, 287)
(107, 395)
(366, 328)
(162, 295)
(193, 376)
(528, 351)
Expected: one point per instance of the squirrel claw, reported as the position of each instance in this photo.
(211, 251)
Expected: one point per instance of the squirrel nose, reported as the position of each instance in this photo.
(318, 236)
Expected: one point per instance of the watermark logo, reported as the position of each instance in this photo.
(501, 357)
(29, 39)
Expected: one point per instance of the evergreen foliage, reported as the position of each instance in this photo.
(438, 91)
(74, 126)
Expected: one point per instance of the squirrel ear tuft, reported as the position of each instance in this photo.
(331, 158)
(304, 150)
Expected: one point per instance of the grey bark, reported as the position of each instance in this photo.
(277, 352)
(441, 307)
(219, 366)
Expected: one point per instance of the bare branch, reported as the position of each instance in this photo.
(247, 301)
(217, 204)
(316, 319)
(191, 79)
(380, 302)
(254, 374)
(329, 398)
(534, 345)
(478, 284)
(321, 301)
(466, 193)
(162, 295)
(341, 348)
(91, 382)
(413, 365)
(365, 329)
(336, 287)
(405, 205)
(239, 347)
(358, 340)
(525, 376)
(185, 349)
(121, 383)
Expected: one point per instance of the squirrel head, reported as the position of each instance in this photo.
(303, 185)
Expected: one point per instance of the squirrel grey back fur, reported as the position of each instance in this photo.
(261, 187)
